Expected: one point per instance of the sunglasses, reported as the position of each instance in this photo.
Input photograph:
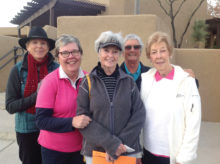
(136, 47)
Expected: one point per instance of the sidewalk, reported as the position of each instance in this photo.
(208, 150)
(8, 144)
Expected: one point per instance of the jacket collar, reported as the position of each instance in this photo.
(179, 75)
(122, 74)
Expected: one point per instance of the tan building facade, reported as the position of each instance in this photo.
(87, 29)
(127, 7)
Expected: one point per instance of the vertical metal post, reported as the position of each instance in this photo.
(137, 7)
(218, 34)
(15, 55)
(19, 32)
(52, 16)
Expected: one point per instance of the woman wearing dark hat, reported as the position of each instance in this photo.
(113, 104)
(21, 91)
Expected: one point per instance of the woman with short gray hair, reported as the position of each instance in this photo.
(56, 104)
(64, 40)
(113, 103)
(109, 37)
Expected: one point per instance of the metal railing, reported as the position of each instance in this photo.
(14, 57)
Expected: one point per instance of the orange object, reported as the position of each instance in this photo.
(99, 158)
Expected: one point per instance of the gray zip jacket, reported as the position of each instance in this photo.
(112, 123)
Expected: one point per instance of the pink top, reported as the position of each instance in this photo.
(169, 76)
(58, 94)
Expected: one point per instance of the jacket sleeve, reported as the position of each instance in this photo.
(46, 100)
(136, 122)
(14, 100)
(45, 121)
(95, 133)
(192, 107)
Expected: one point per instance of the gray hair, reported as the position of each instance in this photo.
(65, 39)
(108, 38)
(134, 37)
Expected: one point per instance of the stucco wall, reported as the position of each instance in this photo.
(127, 7)
(87, 29)
(205, 63)
(13, 31)
(7, 43)
(152, 7)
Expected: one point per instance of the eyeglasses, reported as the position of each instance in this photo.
(136, 47)
(66, 54)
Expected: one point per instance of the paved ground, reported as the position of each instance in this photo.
(208, 150)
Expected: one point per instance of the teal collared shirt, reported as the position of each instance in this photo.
(136, 74)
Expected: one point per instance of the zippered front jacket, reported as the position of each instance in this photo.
(15, 100)
(112, 123)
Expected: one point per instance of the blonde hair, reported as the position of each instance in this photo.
(158, 37)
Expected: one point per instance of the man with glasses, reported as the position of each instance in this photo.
(132, 51)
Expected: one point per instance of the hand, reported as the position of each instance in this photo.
(80, 121)
(108, 158)
(138, 161)
(121, 149)
(190, 72)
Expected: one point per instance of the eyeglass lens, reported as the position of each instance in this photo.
(136, 47)
(66, 54)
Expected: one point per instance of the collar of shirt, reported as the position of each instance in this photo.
(136, 74)
(169, 76)
(63, 75)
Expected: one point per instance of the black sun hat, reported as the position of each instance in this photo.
(37, 32)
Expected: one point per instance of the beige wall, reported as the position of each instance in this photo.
(7, 43)
(13, 31)
(51, 31)
(127, 7)
(152, 7)
(87, 29)
(205, 63)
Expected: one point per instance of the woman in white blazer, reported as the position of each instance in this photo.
(173, 107)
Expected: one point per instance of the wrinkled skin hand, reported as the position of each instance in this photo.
(121, 149)
(138, 161)
(80, 121)
(190, 72)
(109, 158)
